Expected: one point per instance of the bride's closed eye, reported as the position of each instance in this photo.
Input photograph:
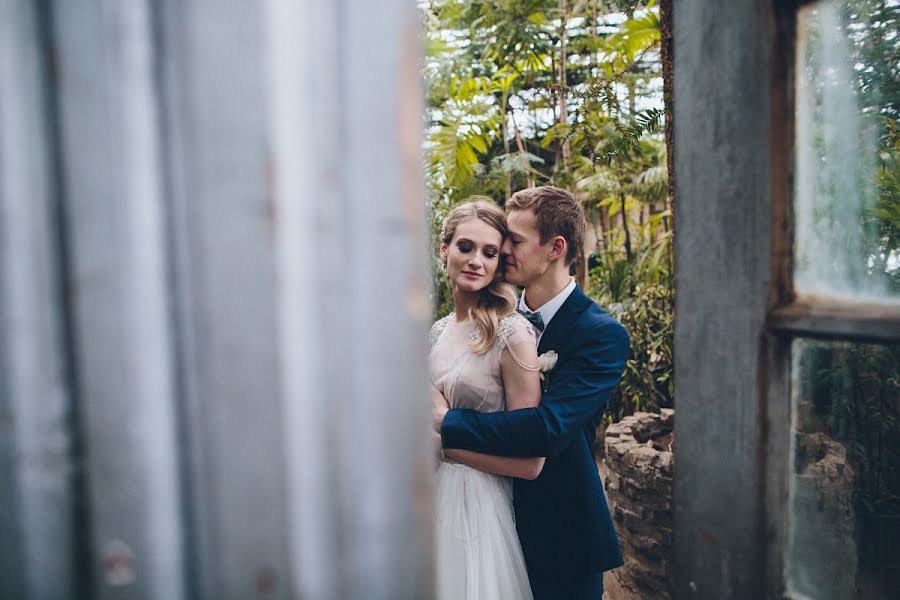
(489, 252)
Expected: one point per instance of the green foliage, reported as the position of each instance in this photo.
(629, 135)
(504, 32)
(652, 185)
(441, 300)
(461, 136)
(611, 281)
(886, 211)
(638, 292)
(491, 64)
(872, 28)
(636, 36)
(647, 381)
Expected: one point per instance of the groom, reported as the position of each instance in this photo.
(562, 519)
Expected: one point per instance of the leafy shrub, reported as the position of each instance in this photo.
(647, 381)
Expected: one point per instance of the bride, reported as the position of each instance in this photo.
(481, 354)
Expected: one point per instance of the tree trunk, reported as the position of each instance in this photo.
(504, 131)
(668, 69)
(580, 273)
(642, 218)
(521, 146)
(563, 116)
(630, 85)
(563, 119)
(625, 227)
(604, 225)
(554, 105)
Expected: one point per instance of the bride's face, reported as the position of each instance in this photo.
(473, 255)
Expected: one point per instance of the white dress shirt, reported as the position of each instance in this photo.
(550, 308)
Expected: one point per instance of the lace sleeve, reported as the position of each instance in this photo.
(514, 330)
(436, 331)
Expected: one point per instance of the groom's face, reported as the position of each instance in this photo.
(526, 258)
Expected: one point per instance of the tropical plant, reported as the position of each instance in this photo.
(532, 92)
(647, 383)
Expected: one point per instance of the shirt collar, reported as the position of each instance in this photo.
(552, 306)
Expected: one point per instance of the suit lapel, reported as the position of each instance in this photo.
(563, 321)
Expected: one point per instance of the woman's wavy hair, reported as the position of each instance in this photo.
(498, 299)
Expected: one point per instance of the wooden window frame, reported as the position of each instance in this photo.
(792, 315)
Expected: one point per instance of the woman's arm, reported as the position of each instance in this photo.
(521, 376)
(523, 468)
(522, 389)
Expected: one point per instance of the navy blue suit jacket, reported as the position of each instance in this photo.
(562, 517)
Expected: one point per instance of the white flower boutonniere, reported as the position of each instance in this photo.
(546, 362)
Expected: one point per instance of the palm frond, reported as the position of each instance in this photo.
(645, 122)
(651, 185)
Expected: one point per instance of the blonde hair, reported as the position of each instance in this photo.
(498, 299)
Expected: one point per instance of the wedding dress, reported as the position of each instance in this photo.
(478, 553)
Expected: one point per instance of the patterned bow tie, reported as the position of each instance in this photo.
(534, 318)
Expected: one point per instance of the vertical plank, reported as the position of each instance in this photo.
(723, 210)
(345, 120)
(776, 350)
(113, 205)
(222, 215)
(36, 519)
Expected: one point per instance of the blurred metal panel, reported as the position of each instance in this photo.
(388, 306)
(308, 189)
(113, 207)
(223, 232)
(244, 304)
(36, 518)
(346, 118)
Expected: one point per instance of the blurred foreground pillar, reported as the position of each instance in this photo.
(212, 301)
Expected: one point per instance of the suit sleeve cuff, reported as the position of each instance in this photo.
(450, 428)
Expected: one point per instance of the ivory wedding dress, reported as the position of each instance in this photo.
(478, 553)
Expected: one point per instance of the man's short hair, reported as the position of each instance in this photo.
(557, 212)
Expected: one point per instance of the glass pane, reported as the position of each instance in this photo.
(847, 155)
(844, 538)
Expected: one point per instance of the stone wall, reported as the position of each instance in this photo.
(638, 477)
(823, 549)
(639, 467)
